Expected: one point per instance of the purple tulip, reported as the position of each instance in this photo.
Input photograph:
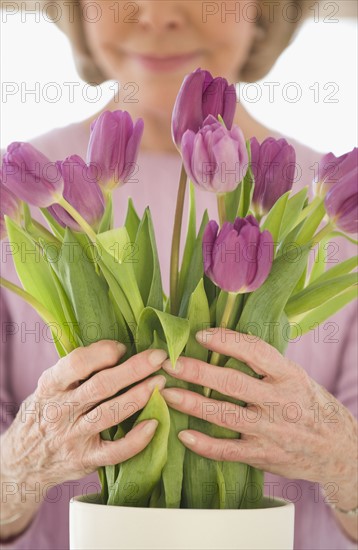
(332, 169)
(273, 165)
(82, 191)
(341, 202)
(201, 95)
(113, 147)
(30, 175)
(9, 206)
(215, 158)
(239, 258)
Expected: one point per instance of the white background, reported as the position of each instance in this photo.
(319, 69)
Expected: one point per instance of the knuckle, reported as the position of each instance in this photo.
(197, 407)
(88, 463)
(108, 350)
(78, 362)
(234, 384)
(197, 372)
(137, 364)
(231, 452)
(95, 387)
(45, 382)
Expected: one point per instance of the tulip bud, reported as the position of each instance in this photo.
(30, 175)
(332, 169)
(273, 166)
(82, 191)
(9, 206)
(239, 258)
(341, 202)
(201, 95)
(215, 158)
(113, 147)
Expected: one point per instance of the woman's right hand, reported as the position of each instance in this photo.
(55, 436)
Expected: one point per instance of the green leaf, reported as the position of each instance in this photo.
(107, 218)
(132, 221)
(292, 211)
(232, 201)
(190, 240)
(264, 307)
(147, 269)
(342, 268)
(173, 471)
(63, 345)
(118, 256)
(318, 293)
(319, 259)
(315, 317)
(36, 277)
(86, 290)
(247, 188)
(196, 269)
(274, 218)
(139, 475)
(310, 225)
(172, 329)
(199, 319)
(57, 229)
(301, 283)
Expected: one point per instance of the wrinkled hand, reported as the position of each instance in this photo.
(55, 436)
(291, 426)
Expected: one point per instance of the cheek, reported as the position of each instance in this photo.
(233, 42)
(104, 36)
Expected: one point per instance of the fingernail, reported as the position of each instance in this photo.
(203, 336)
(172, 396)
(168, 367)
(149, 426)
(157, 356)
(186, 437)
(158, 381)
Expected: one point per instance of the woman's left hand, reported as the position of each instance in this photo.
(291, 426)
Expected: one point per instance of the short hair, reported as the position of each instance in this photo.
(278, 21)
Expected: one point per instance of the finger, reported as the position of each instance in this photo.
(115, 452)
(84, 361)
(221, 413)
(259, 355)
(231, 450)
(108, 382)
(227, 381)
(114, 411)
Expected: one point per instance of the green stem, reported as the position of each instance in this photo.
(322, 233)
(174, 258)
(41, 310)
(215, 357)
(78, 218)
(221, 208)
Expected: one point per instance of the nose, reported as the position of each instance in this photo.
(160, 15)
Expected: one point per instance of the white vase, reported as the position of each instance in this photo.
(95, 526)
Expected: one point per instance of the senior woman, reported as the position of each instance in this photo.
(46, 461)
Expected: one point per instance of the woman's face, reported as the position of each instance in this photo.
(156, 43)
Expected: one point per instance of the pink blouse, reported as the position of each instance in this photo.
(328, 352)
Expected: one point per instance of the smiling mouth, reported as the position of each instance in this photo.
(164, 63)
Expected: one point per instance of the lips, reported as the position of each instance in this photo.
(167, 63)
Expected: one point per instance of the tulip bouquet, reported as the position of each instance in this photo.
(248, 273)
